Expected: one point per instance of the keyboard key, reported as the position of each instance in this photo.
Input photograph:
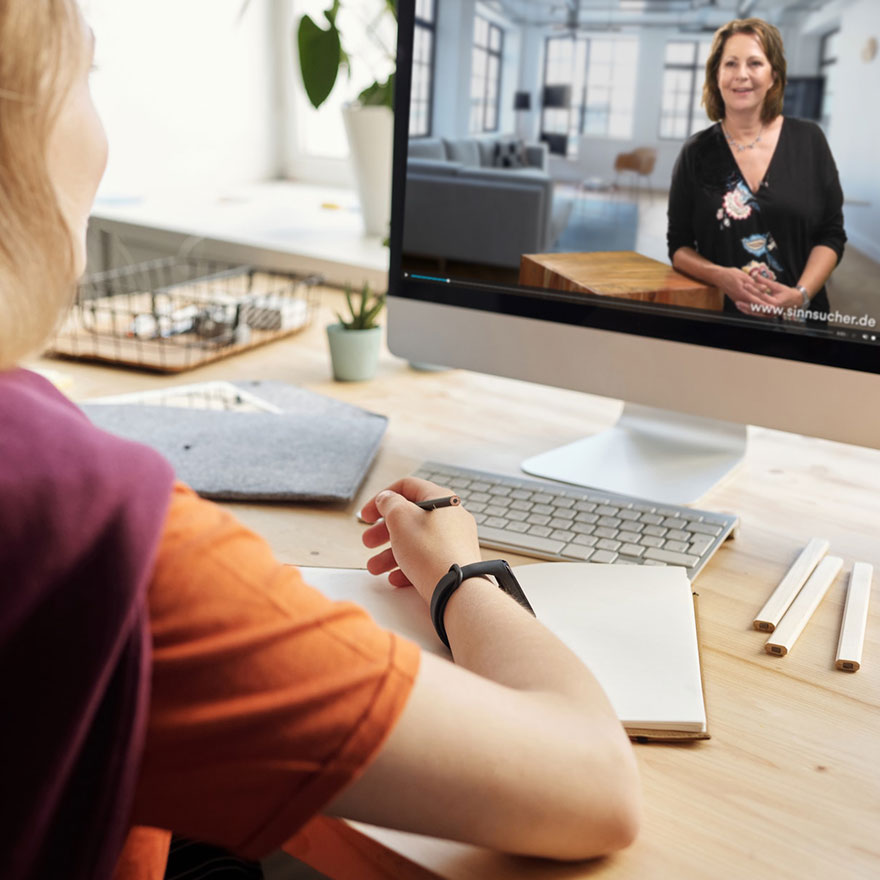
(526, 541)
(608, 544)
(631, 550)
(606, 510)
(656, 531)
(611, 522)
(574, 551)
(543, 508)
(479, 517)
(585, 540)
(495, 510)
(540, 531)
(701, 543)
(478, 496)
(477, 508)
(480, 487)
(541, 498)
(499, 490)
(497, 522)
(706, 528)
(519, 504)
(651, 519)
(567, 514)
(650, 541)
(628, 537)
(627, 514)
(677, 546)
(603, 556)
(585, 506)
(563, 501)
(582, 528)
(674, 522)
(518, 527)
(586, 517)
(521, 494)
(537, 520)
(678, 535)
(603, 532)
(516, 515)
(667, 556)
(562, 535)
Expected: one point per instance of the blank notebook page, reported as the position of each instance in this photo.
(633, 626)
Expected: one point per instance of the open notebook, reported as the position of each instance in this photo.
(633, 626)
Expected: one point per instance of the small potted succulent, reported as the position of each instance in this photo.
(354, 340)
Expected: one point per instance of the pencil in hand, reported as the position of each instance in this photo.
(434, 503)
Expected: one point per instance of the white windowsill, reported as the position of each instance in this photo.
(293, 226)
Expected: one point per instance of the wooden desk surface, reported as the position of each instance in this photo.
(622, 274)
(789, 784)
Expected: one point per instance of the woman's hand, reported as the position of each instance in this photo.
(424, 543)
(783, 297)
(750, 293)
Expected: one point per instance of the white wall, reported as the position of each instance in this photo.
(855, 126)
(185, 90)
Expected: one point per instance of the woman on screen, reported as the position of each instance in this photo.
(755, 204)
(160, 669)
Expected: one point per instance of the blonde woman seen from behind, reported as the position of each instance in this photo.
(164, 670)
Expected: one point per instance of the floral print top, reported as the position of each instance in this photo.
(798, 205)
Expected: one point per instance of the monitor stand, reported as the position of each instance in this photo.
(652, 453)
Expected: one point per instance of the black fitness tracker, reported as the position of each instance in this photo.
(451, 581)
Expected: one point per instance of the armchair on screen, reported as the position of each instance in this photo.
(639, 162)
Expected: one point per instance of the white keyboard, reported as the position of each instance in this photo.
(557, 521)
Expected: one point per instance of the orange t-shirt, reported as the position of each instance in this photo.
(267, 697)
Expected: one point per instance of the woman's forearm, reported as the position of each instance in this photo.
(820, 265)
(687, 260)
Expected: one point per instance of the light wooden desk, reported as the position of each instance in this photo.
(789, 784)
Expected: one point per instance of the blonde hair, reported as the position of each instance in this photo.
(771, 42)
(41, 46)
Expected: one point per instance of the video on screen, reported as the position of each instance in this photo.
(568, 148)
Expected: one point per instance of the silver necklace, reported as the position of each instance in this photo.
(741, 147)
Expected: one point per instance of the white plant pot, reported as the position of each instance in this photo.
(370, 132)
(354, 354)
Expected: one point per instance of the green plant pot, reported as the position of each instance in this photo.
(354, 354)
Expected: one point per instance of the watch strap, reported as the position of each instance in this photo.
(452, 580)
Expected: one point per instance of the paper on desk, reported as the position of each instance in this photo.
(633, 626)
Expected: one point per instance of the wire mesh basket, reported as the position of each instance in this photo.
(175, 313)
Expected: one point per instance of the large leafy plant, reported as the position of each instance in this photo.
(322, 56)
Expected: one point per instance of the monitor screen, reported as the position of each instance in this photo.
(538, 243)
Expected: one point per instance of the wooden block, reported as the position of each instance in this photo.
(801, 610)
(855, 618)
(620, 274)
(767, 618)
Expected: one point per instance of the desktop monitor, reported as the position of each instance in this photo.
(464, 233)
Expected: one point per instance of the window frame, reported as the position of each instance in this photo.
(827, 64)
(489, 52)
(429, 25)
(579, 110)
(694, 68)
